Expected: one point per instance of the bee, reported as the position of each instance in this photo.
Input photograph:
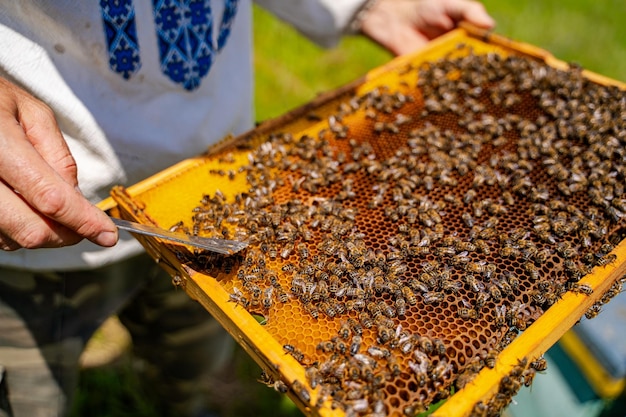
(179, 227)
(606, 248)
(490, 358)
(393, 256)
(419, 250)
(508, 338)
(482, 246)
(540, 364)
(401, 307)
(533, 271)
(384, 334)
(430, 266)
(328, 309)
(237, 297)
(474, 284)
(339, 307)
(268, 297)
(463, 246)
(378, 352)
(426, 345)
(528, 375)
(509, 385)
(451, 286)
(355, 326)
(366, 320)
(178, 281)
(429, 280)
(420, 370)
(312, 310)
(300, 390)
(397, 268)
(345, 331)
(580, 288)
(355, 346)
(495, 293)
(303, 251)
(393, 365)
(313, 376)
(475, 267)
(508, 198)
(445, 251)
(356, 304)
(467, 313)
(500, 315)
(439, 347)
(434, 297)
(481, 300)
(566, 250)
(467, 219)
(386, 309)
(508, 251)
(295, 352)
(440, 370)
(326, 346)
(453, 199)
(279, 386)
(606, 259)
(469, 196)
(460, 259)
(613, 291)
(408, 294)
(593, 311)
(406, 342)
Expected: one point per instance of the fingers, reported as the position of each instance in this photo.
(39, 125)
(25, 172)
(434, 18)
(391, 24)
(402, 26)
(470, 11)
(21, 227)
(41, 205)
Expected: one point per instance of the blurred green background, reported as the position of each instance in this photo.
(290, 71)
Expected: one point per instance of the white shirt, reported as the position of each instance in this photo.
(122, 130)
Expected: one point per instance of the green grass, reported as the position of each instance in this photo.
(290, 71)
(591, 33)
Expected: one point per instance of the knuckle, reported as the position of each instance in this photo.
(50, 200)
(32, 237)
(44, 111)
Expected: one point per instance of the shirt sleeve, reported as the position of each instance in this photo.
(322, 21)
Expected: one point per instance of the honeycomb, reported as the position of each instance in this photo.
(400, 243)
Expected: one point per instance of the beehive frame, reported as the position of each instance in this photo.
(148, 203)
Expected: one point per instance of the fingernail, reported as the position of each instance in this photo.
(106, 239)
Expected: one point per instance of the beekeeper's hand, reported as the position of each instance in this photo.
(403, 26)
(40, 204)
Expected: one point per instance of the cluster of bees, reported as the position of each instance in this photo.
(410, 218)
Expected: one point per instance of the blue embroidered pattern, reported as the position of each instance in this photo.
(185, 37)
(120, 31)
